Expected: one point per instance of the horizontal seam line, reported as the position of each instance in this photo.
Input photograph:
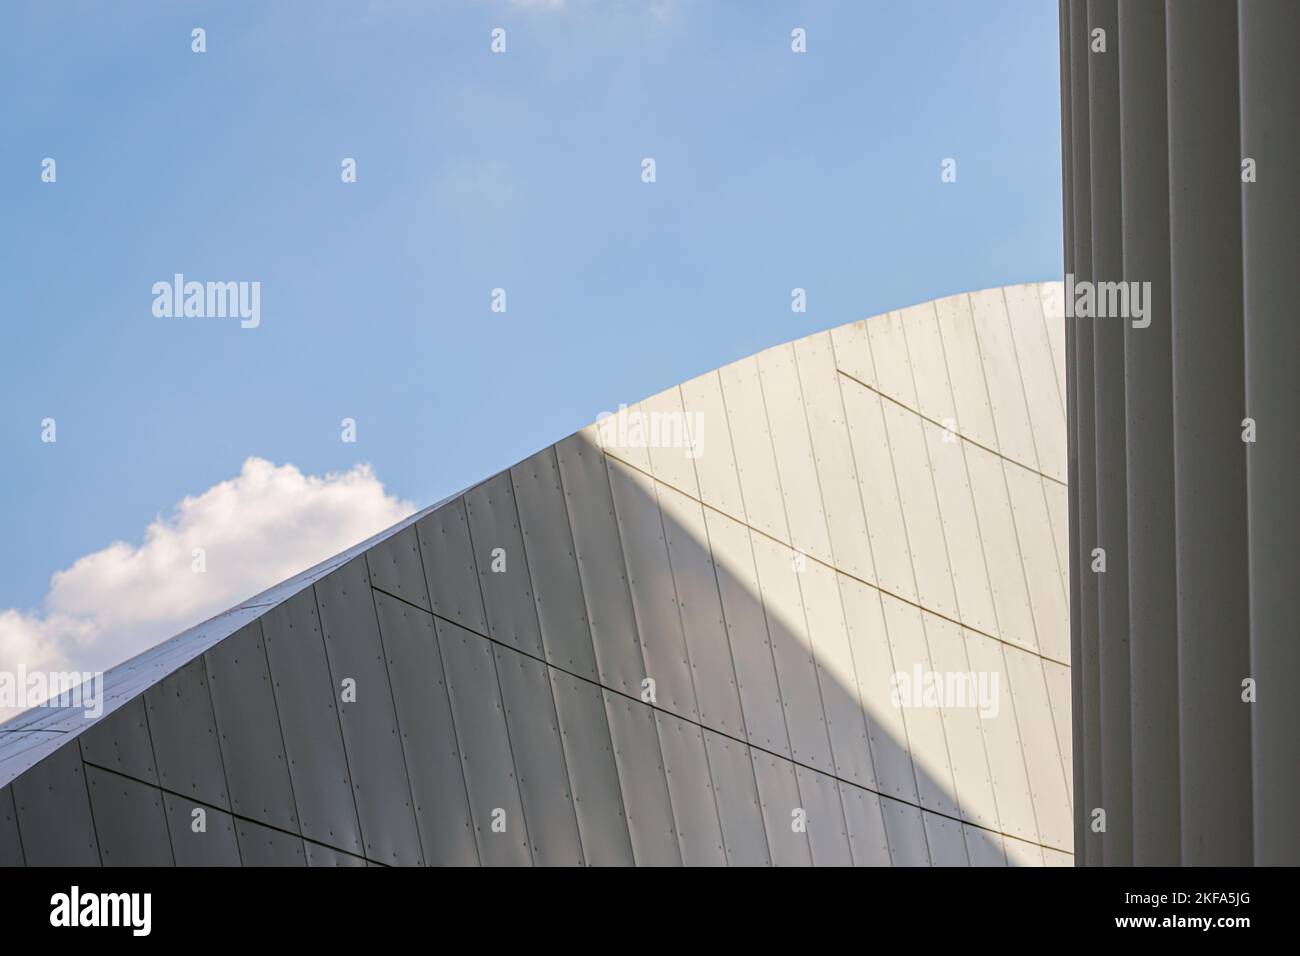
(720, 733)
(850, 576)
(230, 813)
(920, 414)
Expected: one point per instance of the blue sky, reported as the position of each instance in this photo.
(475, 171)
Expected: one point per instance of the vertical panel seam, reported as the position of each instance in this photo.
(1024, 578)
(812, 655)
(889, 646)
(437, 648)
(762, 598)
(541, 636)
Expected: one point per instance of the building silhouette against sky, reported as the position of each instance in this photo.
(810, 608)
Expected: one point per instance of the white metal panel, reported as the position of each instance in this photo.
(751, 650)
(920, 510)
(601, 569)
(890, 359)
(715, 462)
(752, 441)
(1051, 296)
(795, 667)
(502, 566)
(120, 742)
(264, 847)
(593, 771)
(635, 739)
(371, 737)
(1042, 758)
(1057, 858)
(691, 788)
(130, 822)
(828, 835)
(1047, 597)
(960, 528)
(850, 748)
(651, 582)
(866, 826)
(248, 729)
(1002, 742)
(929, 367)
(395, 566)
(430, 743)
(924, 720)
(539, 759)
(183, 730)
(553, 564)
(1058, 509)
(984, 847)
(1038, 373)
(743, 833)
(623, 435)
(833, 454)
(309, 719)
(946, 841)
(966, 370)
(321, 856)
(485, 751)
(853, 351)
(672, 441)
(888, 535)
(778, 794)
(874, 663)
(55, 821)
(449, 566)
(961, 721)
(1001, 548)
(1057, 677)
(129, 818)
(1022, 853)
(907, 840)
(215, 846)
(794, 453)
(1002, 376)
(701, 612)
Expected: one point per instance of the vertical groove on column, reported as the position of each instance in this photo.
(1152, 600)
(1084, 492)
(1072, 449)
(1270, 134)
(1209, 456)
(1108, 427)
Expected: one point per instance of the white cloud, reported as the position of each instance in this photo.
(256, 529)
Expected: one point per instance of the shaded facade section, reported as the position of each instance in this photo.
(699, 632)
